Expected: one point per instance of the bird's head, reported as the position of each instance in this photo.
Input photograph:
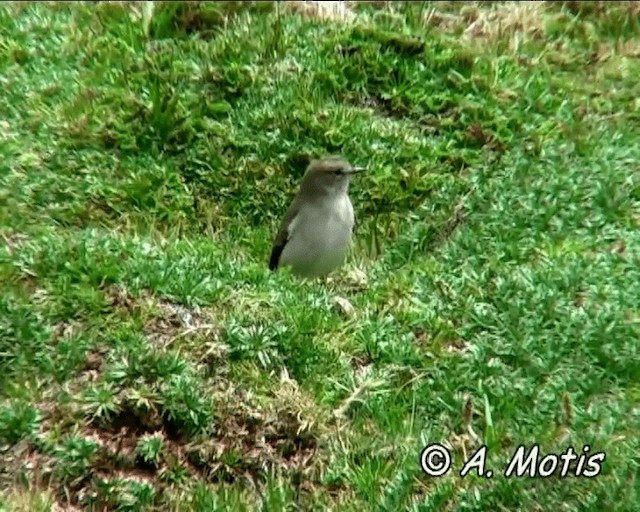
(330, 175)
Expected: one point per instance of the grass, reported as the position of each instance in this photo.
(149, 359)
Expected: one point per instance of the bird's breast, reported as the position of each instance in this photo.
(336, 214)
(320, 236)
(328, 223)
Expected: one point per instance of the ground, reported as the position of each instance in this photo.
(150, 360)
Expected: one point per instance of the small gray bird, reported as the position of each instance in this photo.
(316, 230)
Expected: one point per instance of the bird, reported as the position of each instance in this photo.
(316, 230)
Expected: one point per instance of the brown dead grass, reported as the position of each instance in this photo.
(285, 431)
(30, 500)
(510, 19)
(599, 7)
(338, 11)
(167, 322)
(513, 23)
(612, 59)
(173, 321)
(24, 470)
(492, 21)
(12, 240)
(332, 11)
(282, 430)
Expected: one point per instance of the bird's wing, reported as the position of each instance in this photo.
(284, 233)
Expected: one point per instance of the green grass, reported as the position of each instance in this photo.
(149, 359)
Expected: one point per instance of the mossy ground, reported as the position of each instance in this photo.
(149, 360)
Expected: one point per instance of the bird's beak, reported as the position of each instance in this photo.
(356, 170)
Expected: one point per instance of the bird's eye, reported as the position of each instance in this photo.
(338, 172)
